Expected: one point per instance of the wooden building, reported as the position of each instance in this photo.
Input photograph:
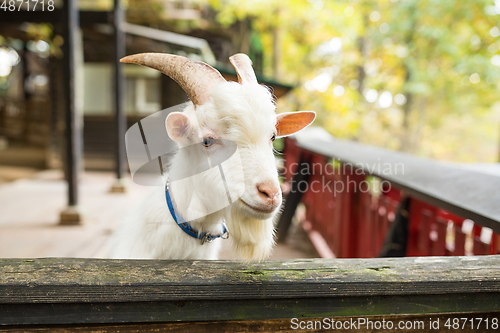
(31, 96)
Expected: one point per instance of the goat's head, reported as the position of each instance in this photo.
(243, 113)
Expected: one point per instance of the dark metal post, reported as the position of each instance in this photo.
(53, 156)
(293, 199)
(73, 151)
(120, 117)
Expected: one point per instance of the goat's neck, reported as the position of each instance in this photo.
(188, 198)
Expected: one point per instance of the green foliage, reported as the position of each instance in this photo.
(436, 53)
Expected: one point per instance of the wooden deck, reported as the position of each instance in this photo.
(29, 215)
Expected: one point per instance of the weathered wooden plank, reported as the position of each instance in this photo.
(241, 309)
(468, 322)
(93, 280)
(91, 291)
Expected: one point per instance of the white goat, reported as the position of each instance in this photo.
(221, 112)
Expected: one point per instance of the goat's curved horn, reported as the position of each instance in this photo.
(243, 65)
(195, 78)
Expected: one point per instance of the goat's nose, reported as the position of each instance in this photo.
(268, 192)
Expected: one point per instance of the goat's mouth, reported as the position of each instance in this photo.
(258, 210)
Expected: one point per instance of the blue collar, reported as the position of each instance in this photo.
(187, 228)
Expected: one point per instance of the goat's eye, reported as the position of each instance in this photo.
(273, 137)
(207, 142)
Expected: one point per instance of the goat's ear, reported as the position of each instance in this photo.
(179, 127)
(289, 123)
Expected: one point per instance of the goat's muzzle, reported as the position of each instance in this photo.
(268, 194)
(267, 199)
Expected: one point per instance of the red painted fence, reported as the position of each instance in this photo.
(353, 220)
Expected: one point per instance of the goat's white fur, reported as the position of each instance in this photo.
(242, 113)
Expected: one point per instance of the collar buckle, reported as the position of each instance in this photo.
(225, 233)
(206, 238)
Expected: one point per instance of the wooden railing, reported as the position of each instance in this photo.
(74, 295)
(413, 206)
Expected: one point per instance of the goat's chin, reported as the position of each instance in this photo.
(255, 212)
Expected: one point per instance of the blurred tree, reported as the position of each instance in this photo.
(401, 74)
(438, 55)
